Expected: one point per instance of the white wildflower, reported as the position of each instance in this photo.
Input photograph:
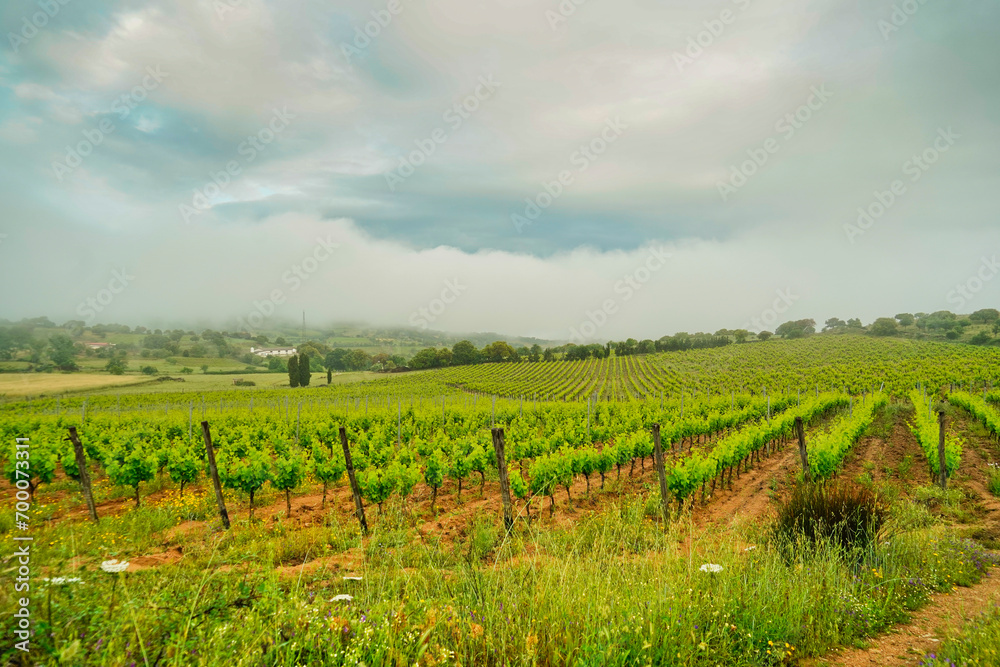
(61, 581)
(751, 547)
(711, 567)
(114, 566)
(343, 597)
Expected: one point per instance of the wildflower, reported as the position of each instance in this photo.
(113, 566)
(711, 567)
(61, 581)
(343, 597)
(751, 547)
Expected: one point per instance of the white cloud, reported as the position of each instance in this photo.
(783, 230)
(34, 91)
(20, 130)
(219, 273)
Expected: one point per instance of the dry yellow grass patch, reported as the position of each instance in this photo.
(24, 384)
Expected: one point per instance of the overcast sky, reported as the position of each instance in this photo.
(627, 168)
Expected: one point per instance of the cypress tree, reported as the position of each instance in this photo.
(304, 371)
(293, 371)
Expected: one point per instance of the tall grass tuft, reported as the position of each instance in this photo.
(993, 479)
(848, 516)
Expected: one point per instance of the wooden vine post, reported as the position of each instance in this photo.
(942, 461)
(658, 461)
(214, 472)
(355, 489)
(81, 465)
(803, 454)
(498, 445)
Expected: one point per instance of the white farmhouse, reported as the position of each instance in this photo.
(273, 351)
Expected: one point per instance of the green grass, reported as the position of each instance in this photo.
(993, 479)
(614, 589)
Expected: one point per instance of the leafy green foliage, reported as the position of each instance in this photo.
(36, 464)
(458, 469)
(131, 464)
(478, 462)
(434, 469)
(404, 477)
(288, 473)
(377, 486)
(691, 472)
(117, 365)
(182, 466)
(928, 433)
(827, 451)
(247, 474)
(326, 467)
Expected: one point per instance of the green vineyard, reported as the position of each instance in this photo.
(850, 363)
(436, 425)
(424, 457)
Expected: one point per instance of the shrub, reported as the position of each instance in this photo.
(848, 516)
(981, 338)
(117, 366)
(149, 370)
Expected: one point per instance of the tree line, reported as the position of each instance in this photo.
(54, 350)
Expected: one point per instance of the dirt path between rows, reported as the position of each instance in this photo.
(884, 460)
(943, 616)
(749, 499)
